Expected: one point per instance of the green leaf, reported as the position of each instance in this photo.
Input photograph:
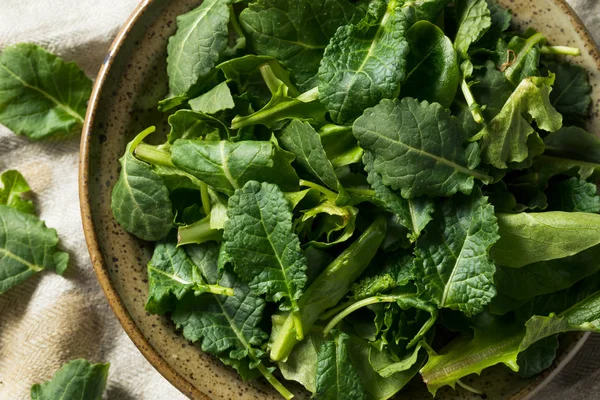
(337, 377)
(226, 166)
(491, 88)
(522, 58)
(41, 96)
(327, 224)
(538, 357)
(172, 274)
(571, 93)
(574, 195)
(340, 145)
(413, 214)
(301, 364)
(188, 124)
(575, 144)
(419, 10)
(14, 185)
(279, 28)
(217, 99)
(27, 246)
(264, 249)
(140, 199)
(364, 63)
(77, 379)
(527, 238)
(453, 267)
(501, 18)
(194, 50)
(509, 137)
(303, 140)
(417, 148)
(473, 20)
(431, 59)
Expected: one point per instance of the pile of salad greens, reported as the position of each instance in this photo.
(353, 194)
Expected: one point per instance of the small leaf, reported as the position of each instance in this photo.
(41, 96)
(188, 124)
(217, 99)
(77, 379)
(14, 185)
(473, 20)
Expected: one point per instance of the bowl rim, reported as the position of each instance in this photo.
(97, 258)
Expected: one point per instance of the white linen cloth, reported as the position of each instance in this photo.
(50, 319)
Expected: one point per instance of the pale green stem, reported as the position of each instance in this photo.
(473, 106)
(469, 388)
(563, 50)
(359, 304)
(318, 188)
(205, 198)
(153, 155)
(274, 382)
(216, 289)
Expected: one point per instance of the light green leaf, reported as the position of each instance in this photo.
(337, 377)
(327, 224)
(216, 99)
(522, 58)
(140, 199)
(27, 246)
(364, 63)
(340, 145)
(473, 19)
(264, 249)
(226, 166)
(77, 379)
(13, 186)
(509, 137)
(41, 96)
(453, 267)
(527, 238)
(194, 50)
(417, 148)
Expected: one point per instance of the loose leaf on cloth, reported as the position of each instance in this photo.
(226, 166)
(13, 186)
(41, 96)
(473, 19)
(365, 62)
(27, 246)
(262, 245)
(417, 148)
(574, 195)
(279, 28)
(495, 342)
(337, 377)
(509, 137)
(303, 140)
(413, 214)
(571, 93)
(77, 379)
(527, 238)
(140, 199)
(452, 266)
(431, 59)
(172, 274)
(194, 50)
(217, 99)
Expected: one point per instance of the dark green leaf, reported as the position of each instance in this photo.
(364, 63)
(473, 20)
(574, 195)
(571, 92)
(417, 148)
(538, 357)
(13, 186)
(77, 379)
(575, 144)
(188, 124)
(41, 96)
(491, 89)
(420, 10)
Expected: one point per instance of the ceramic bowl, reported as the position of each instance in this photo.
(131, 81)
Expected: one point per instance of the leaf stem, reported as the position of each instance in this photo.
(353, 307)
(216, 289)
(469, 388)
(205, 198)
(140, 137)
(274, 382)
(153, 155)
(563, 50)
(330, 194)
(298, 325)
(471, 102)
(198, 232)
(361, 192)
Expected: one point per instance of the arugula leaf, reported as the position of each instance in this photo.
(41, 96)
(189, 124)
(431, 59)
(413, 214)
(452, 265)
(509, 137)
(140, 199)
(337, 377)
(303, 140)
(279, 28)
(226, 166)
(14, 185)
(194, 50)
(473, 20)
(217, 99)
(574, 195)
(365, 62)
(417, 148)
(527, 238)
(27, 246)
(262, 245)
(496, 342)
(77, 379)
(571, 94)
(172, 274)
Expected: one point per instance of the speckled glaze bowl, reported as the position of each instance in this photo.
(131, 81)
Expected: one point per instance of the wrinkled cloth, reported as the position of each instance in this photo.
(50, 319)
